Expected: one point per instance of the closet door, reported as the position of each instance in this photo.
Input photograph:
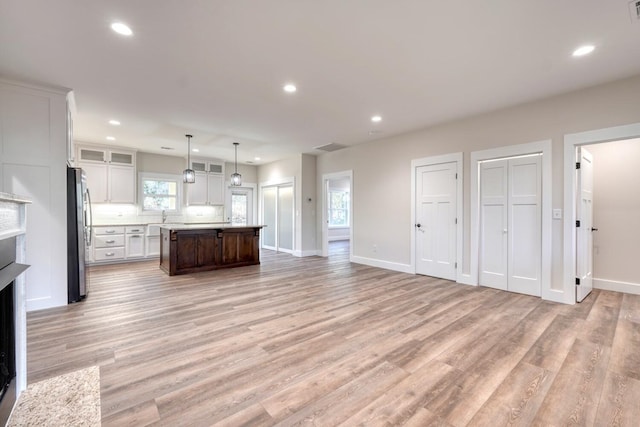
(269, 200)
(285, 218)
(511, 224)
(524, 225)
(493, 224)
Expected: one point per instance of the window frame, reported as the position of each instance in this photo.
(345, 209)
(150, 176)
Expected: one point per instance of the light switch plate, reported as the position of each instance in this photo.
(557, 214)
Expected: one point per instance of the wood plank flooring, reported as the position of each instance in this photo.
(315, 341)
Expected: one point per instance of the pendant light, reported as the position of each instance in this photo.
(189, 175)
(236, 178)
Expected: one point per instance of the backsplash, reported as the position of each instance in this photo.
(110, 214)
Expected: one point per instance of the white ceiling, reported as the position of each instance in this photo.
(215, 69)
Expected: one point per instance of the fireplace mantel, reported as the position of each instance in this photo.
(13, 225)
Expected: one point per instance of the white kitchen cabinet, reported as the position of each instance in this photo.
(108, 243)
(134, 245)
(111, 173)
(153, 241)
(122, 188)
(209, 186)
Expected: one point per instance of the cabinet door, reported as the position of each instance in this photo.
(122, 184)
(216, 189)
(153, 246)
(197, 192)
(96, 181)
(206, 249)
(90, 154)
(135, 246)
(122, 158)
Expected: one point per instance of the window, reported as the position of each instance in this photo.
(160, 192)
(338, 208)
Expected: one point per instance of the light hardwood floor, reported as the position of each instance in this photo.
(313, 341)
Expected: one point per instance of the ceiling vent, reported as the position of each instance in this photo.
(330, 147)
(634, 11)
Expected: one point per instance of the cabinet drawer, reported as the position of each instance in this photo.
(107, 230)
(135, 229)
(104, 254)
(109, 241)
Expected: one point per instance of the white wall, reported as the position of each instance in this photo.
(616, 210)
(33, 147)
(382, 173)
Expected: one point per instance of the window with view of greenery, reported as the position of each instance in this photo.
(338, 208)
(159, 194)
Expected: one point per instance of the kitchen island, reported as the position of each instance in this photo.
(191, 248)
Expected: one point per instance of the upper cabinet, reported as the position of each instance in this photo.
(111, 173)
(209, 186)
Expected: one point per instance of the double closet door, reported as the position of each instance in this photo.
(278, 217)
(511, 224)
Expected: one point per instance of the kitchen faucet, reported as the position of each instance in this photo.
(164, 216)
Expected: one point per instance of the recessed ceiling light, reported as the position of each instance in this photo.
(376, 119)
(195, 150)
(114, 122)
(256, 158)
(290, 88)
(584, 50)
(111, 138)
(121, 28)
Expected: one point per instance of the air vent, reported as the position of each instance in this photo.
(166, 148)
(634, 11)
(330, 147)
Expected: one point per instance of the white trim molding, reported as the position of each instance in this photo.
(435, 160)
(544, 147)
(571, 141)
(387, 265)
(617, 286)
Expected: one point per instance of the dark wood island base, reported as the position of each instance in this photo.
(191, 249)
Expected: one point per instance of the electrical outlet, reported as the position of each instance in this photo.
(557, 214)
(375, 248)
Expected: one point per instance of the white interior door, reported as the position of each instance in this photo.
(584, 233)
(511, 224)
(269, 200)
(435, 215)
(525, 225)
(285, 218)
(493, 224)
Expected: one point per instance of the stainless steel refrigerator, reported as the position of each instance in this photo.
(78, 233)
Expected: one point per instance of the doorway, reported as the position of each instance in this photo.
(278, 217)
(437, 215)
(337, 213)
(624, 244)
(522, 208)
(241, 203)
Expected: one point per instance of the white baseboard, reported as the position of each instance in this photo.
(302, 254)
(613, 285)
(387, 265)
(465, 279)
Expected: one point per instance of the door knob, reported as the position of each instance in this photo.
(418, 225)
(594, 229)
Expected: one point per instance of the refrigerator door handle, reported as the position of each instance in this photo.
(88, 229)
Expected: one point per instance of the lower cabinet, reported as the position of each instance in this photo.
(118, 244)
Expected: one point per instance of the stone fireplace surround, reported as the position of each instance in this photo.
(13, 229)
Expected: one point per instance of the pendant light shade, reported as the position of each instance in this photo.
(236, 178)
(189, 175)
